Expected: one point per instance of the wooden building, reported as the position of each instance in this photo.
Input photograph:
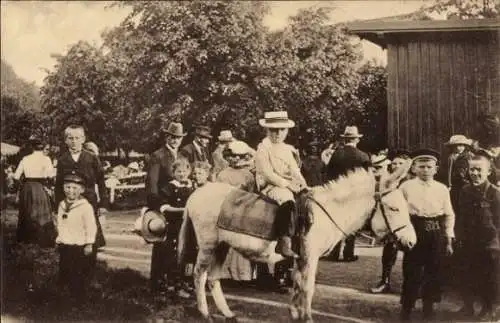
(441, 76)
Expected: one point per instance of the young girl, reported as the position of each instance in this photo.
(77, 228)
(177, 192)
(201, 172)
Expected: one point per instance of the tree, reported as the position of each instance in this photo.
(466, 9)
(78, 92)
(20, 110)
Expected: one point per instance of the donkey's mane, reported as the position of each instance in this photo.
(356, 184)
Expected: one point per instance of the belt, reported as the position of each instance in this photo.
(427, 224)
(35, 179)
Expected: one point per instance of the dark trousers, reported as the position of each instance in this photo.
(480, 275)
(422, 264)
(164, 265)
(389, 256)
(75, 269)
(348, 249)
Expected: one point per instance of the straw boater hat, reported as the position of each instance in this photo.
(351, 132)
(203, 131)
(276, 119)
(175, 129)
(225, 136)
(459, 140)
(380, 160)
(151, 226)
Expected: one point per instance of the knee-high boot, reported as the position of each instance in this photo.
(284, 225)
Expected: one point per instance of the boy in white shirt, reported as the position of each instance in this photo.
(77, 228)
(433, 218)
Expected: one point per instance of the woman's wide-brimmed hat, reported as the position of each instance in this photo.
(351, 132)
(459, 140)
(276, 119)
(151, 226)
(174, 129)
(225, 136)
(203, 131)
(238, 148)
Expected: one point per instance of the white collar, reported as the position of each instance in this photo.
(171, 149)
(424, 183)
(350, 144)
(197, 146)
(178, 184)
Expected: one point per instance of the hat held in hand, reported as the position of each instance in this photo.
(151, 226)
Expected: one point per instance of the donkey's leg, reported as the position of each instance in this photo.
(200, 273)
(216, 289)
(309, 286)
(298, 294)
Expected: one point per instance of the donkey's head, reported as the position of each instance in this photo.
(390, 216)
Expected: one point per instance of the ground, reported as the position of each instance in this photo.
(120, 291)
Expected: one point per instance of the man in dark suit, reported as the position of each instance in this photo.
(346, 158)
(478, 236)
(197, 150)
(77, 159)
(159, 175)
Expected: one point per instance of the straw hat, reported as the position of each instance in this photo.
(225, 136)
(175, 129)
(380, 160)
(151, 226)
(459, 140)
(239, 147)
(351, 132)
(276, 119)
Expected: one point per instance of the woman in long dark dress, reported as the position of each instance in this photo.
(35, 220)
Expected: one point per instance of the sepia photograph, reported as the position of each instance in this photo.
(250, 161)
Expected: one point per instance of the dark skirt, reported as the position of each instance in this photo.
(35, 221)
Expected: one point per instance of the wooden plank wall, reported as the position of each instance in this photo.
(438, 83)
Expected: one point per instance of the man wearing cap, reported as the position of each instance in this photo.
(197, 150)
(225, 137)
(478, 238)
(158, 176)
(458, 163)
(344, 159)
(278, 176)
(390, 251)
(433, 218)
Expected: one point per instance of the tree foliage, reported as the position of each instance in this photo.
(466, 9)
(211, 62)
(20, 107)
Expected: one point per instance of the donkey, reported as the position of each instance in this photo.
(338, 208)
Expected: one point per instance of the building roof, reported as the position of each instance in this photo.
(375, 30)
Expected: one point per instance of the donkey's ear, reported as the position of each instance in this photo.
(391, 182)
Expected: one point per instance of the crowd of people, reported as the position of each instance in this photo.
(458, 219)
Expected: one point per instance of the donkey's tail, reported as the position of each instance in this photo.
(184, 236)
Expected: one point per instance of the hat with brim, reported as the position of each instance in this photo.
(203, 131)
(425, 154)
(484, 153)
(399, 153)
(174, 129)
(74, 177)
(225, 136)
(276, 119)
(459, 140)
(151, 226)
(380, 160)
(351, 132)
(238, 148)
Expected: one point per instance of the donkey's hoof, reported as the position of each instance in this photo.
(232, 319)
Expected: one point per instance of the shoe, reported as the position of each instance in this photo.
(428, 311)
(183, 294)
(465, 312)
(382, 288)
(284, 247)
(487, 315)
(350, 259)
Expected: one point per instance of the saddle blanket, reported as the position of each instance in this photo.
(248, 213)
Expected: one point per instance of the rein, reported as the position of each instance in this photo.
(378, 203)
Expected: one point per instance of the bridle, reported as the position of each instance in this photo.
(391, 234)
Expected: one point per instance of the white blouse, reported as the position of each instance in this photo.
(35, 165)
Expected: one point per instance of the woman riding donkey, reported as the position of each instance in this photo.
(278, 176)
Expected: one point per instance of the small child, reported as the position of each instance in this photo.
(77, 228)
(238, 173)
(433, 218)
(177, 193)
(201, 172)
